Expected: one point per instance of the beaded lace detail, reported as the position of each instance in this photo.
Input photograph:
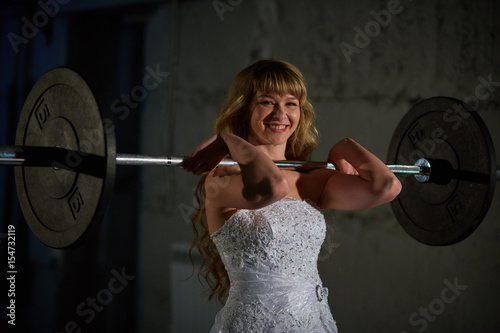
(271, 256)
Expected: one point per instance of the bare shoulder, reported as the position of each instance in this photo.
(218, 191)
(216, 216)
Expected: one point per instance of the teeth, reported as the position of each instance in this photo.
(277, 126)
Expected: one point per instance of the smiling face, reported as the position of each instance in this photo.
(273, 119)
(241, 107)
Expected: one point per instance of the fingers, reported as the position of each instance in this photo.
(347, 168)
(195, 165)
(199, 164)
(206, 157)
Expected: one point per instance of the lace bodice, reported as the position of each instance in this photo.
(271, 256)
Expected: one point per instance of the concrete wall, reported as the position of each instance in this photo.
(380, 279)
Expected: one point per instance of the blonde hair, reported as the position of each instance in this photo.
(270, 76)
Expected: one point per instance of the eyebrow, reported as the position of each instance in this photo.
(271, 96)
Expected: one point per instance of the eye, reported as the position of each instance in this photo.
(292, 104)
(265, 102)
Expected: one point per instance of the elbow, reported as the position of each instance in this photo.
(280, 188)
(277, 189)
(391, 189)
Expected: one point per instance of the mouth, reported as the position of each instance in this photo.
(276, 127)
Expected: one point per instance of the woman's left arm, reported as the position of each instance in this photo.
(361, 181)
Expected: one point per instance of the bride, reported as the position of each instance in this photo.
(259, 228)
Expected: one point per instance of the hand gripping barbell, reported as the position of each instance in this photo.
(65, 158)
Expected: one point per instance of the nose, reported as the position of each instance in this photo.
(278, 111)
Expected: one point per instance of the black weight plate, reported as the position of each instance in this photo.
(453, 137)
(62, 205)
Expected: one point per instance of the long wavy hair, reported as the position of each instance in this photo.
(270, 76)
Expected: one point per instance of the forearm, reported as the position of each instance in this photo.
(262, 179)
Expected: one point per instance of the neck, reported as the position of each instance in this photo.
(275, 153)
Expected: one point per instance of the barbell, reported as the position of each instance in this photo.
(65, 160)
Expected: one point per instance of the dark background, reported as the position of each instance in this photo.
(378, 276)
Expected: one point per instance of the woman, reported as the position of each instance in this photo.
(259, 228)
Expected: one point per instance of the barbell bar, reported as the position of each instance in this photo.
(137, 159)
(65, 157)
(16, 156)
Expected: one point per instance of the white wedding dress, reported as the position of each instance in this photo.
(271, 256)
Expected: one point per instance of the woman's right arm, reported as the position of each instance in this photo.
(258, 184)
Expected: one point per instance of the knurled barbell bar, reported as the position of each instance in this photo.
(65, 158)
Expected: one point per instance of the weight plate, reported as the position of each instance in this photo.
(61, 205)
(453, 137)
